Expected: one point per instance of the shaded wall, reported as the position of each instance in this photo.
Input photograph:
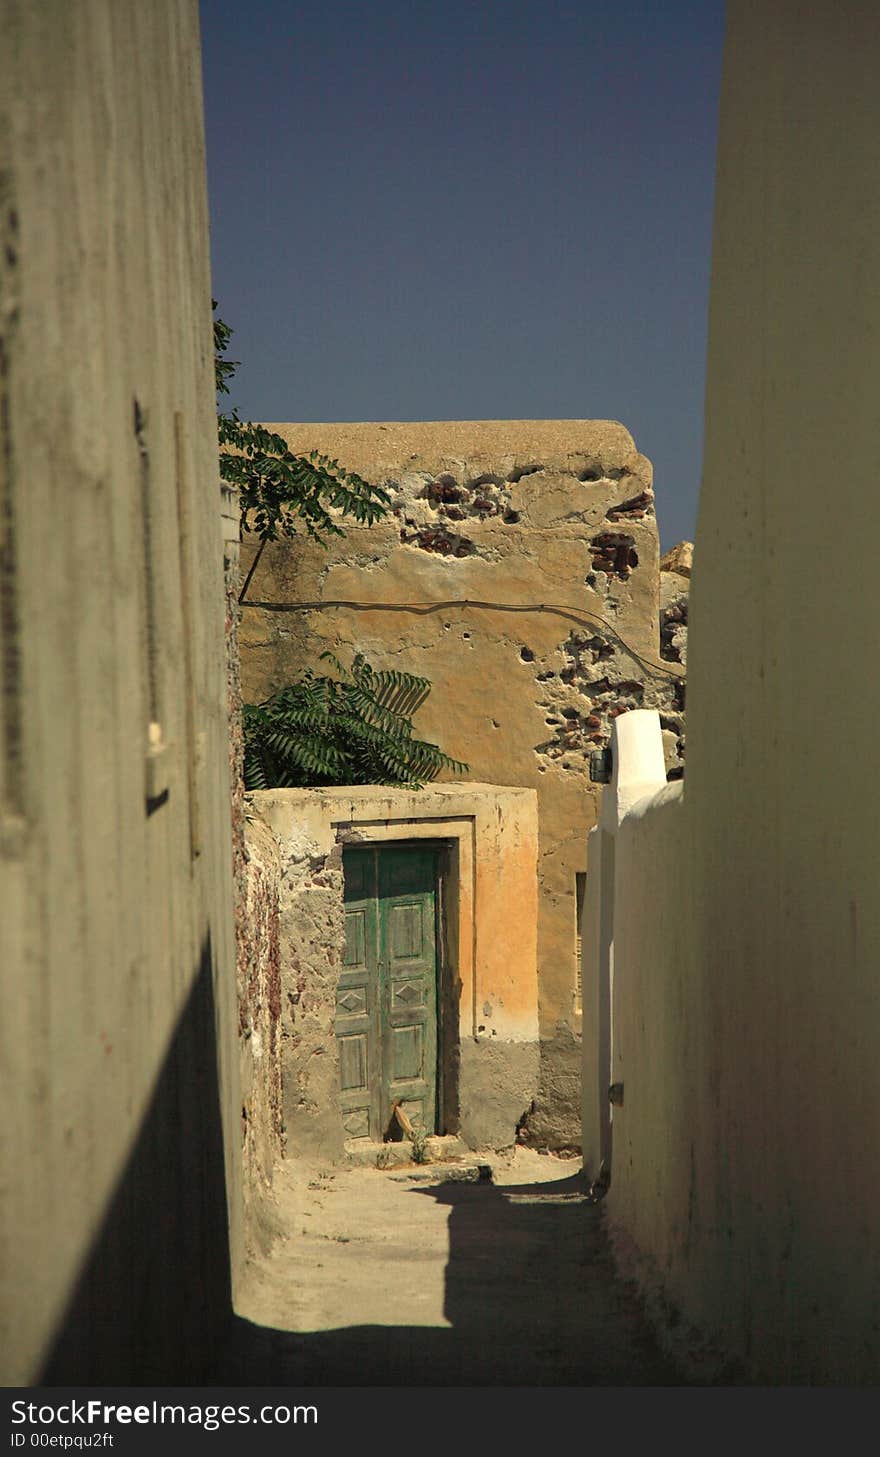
(753, 1018)
(119, 1219)
(518, 570)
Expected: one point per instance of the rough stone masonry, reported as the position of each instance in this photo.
(518, 569)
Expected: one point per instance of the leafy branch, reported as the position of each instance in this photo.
(279, 491)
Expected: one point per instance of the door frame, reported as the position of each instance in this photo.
(448, 984)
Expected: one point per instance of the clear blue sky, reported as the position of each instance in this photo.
(469, 210)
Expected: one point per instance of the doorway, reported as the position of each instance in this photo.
(387, 993)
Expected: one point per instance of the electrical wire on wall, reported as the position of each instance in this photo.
(580, 616)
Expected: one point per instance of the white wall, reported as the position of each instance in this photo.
(747, 940)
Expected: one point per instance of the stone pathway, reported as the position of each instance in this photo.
(424, 1276)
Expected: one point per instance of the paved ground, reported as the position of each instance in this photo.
(418, 1277)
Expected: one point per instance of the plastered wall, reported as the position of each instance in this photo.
(120, 1227)
(747, 1152)
(518, 570)
(488, 968)
(255, 871)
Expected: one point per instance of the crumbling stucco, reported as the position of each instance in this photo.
(488, 994)
(312, 931)
(518, 570)
(256, 898)
(259, 982)
(675, 585)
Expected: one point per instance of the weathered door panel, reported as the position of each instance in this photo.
(357, 998)
(408, 973)
(386, 1005)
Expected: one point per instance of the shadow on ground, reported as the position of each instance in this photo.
(531, 1295)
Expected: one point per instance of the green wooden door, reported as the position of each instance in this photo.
(386, 1002)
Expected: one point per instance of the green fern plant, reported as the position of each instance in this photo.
(352, 729)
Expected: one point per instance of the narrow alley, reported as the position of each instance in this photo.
(380, 773)
(436, 1276)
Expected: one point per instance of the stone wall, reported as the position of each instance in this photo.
(312, 934)
(675, 582)
(259, 989)
(256, 878)
(519, 571)
(120, 1224)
